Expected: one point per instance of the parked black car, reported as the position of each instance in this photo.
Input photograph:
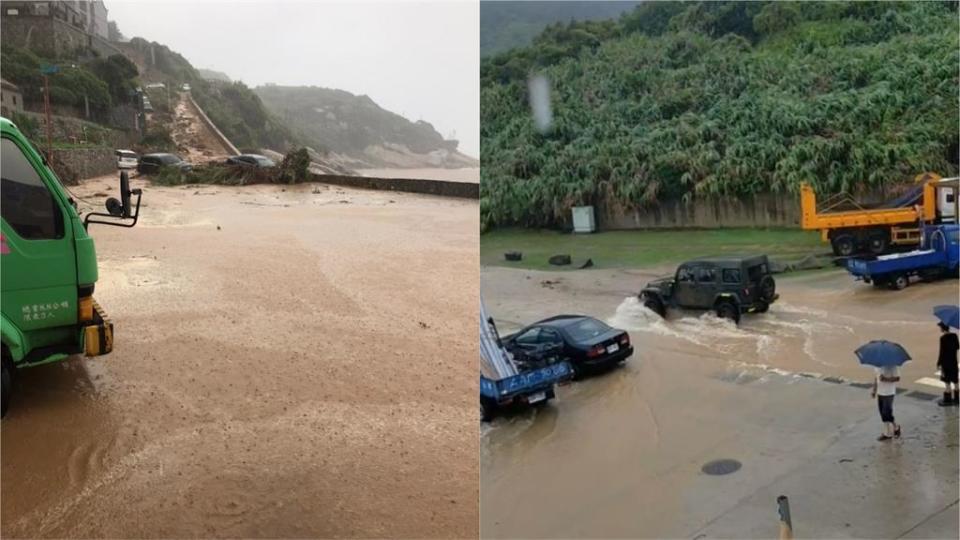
(583, 341)
(151, 163)
(728, 286)
(252, 160)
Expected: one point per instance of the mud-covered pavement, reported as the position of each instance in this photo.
(620, 454)
(289, 362)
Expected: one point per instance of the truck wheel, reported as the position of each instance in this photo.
(877, 242)
(727, 310)
(656, 306)
(844, 245)
(488, 409)
(6, 385)
(900, 282)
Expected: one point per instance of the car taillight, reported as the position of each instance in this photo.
(746, 292)
(625, 339)
(595, 351)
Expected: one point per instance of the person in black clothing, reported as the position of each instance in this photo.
(947, 362)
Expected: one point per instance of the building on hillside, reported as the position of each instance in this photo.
(57, 27)
(11, 100)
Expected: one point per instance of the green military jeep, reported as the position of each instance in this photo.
(730, 287)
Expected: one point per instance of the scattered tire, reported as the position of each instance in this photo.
(560, 260)
(728, 310)
(844, 245)
(900, 282)
(656, 306)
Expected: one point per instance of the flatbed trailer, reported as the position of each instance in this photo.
(857, 229)
(939, 259)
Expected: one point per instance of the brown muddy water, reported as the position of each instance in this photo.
(289, 362)
(619, 454)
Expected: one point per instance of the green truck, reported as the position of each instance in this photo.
(48, 264)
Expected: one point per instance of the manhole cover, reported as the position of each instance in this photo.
(721, 466)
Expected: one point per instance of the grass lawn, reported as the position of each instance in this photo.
(632, 249)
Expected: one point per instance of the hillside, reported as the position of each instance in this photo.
(358, 130)
(505, 25)
(694, 100)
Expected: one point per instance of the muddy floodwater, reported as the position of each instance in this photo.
(621, 454)
(293, 361)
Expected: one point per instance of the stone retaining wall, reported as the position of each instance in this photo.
(442, 188)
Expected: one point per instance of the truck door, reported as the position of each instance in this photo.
(39, 276)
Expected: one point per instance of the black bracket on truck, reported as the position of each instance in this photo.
(119, 211)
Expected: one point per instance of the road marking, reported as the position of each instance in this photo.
(930, 382)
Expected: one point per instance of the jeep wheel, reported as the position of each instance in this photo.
(762, 307)
(656, 306)
(768, 290)
(844, 245)
(727, 310)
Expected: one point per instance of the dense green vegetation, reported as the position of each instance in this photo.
(505, 25)
(336, 120)
(102, 81)
(634, 249)
(686, 100)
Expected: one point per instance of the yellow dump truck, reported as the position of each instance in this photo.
(850, 227)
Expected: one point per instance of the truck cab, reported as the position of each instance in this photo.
(49, 266)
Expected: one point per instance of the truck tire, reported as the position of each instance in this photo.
(900, 282)
(878, 242)
(768, 290)
(488, 409)
(844, 245)
(655, 305)
(6, 384)
(728, 310)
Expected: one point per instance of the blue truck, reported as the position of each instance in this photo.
(527, 388)
(938, 258)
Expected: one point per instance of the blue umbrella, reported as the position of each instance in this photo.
(948, 315)
(882, 353)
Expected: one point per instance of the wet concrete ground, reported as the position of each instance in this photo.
(289, 362)
(620, 454)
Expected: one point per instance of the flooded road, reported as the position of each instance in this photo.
(620, 454)
(289, 362)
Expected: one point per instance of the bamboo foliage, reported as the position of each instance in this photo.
(845, 97)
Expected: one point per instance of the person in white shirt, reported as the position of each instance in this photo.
(884, 389)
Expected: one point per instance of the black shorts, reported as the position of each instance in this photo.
(948, 374)
(885, 404)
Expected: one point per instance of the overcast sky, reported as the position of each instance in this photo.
(417, 59)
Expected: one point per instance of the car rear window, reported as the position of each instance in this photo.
(586, 329)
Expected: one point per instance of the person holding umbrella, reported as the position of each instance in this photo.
(886, 357)
(947, 359)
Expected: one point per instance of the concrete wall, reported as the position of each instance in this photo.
(67, 129)
(74, 164)
(762, 210)
(49, 36)
(216, 132)
(442, 188)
